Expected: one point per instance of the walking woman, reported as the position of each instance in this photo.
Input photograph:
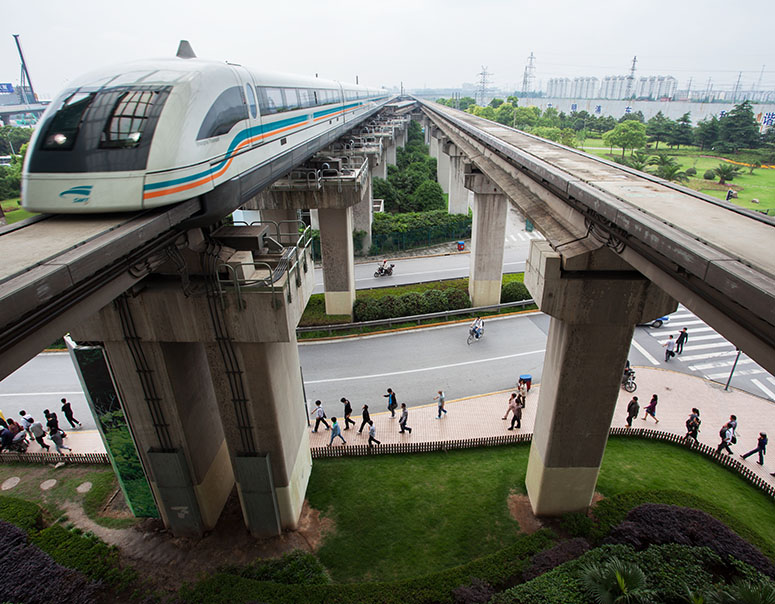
(652, 409)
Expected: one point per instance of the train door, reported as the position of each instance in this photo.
(250, 92)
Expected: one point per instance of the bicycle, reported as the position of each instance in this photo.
(472, 337)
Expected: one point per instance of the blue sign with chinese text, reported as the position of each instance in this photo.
(6, 88)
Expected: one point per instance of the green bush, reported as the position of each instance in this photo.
(24, 514)
(514, 292)
(709, 175)
(412, 303)
(434, 300)
(691, 171)
(456, 298)
(294, 568)
(577, 524)
(367, 309)
(389, 307)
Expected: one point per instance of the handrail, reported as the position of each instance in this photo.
(412, 318)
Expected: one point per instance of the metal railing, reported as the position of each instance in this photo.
(446, 314)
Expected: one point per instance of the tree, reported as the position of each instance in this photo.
(504, 114)
(630, 134)
(487, 113)
(671, 172)
(637, 160)
(428, 196)
(739, 129)
(12, 138)
(707, 132)
(547, 132)
(726, 172)
(512, 100)
(637, 116)
(524, 117)
(754, 164)
(616, 582)
(495, 103)
(681, 132)
(568, 137)
(550, 117)
(658, 128)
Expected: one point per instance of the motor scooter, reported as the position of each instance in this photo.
(384, 271)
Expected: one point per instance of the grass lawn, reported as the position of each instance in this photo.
(32, 475)
(13, 211)
(405, 516)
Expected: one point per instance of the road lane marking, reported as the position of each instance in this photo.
(707, 355)
(57, 393)
(645, 353)
(717, 376)
(713, 336)
(706, 366)
(764, 388)
(392, 373)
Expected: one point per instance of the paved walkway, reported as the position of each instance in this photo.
(480, 416)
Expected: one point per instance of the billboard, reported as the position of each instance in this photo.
(6, 88)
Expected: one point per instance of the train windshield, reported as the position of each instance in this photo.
(128, 120)
(63, 127)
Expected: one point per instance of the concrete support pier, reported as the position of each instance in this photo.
(595, 300)
(443, 164)
(336, 245)
(458, 194)
(487, 239)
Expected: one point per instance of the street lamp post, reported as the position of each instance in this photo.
(737, 358)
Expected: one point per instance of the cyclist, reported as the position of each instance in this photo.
(477, 328)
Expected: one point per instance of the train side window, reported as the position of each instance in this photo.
(251, 100)
(307, 97)
(271, 100)
(63, 127)
(292, 99)
(228, 109)
(127, 120)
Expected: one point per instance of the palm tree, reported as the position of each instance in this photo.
(671, 172)
(638, 160)
(746, 592)
(726, 172)
(617, 582)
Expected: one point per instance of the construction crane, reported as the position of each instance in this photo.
(25, 80)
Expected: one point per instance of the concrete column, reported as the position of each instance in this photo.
(178, 433)
(267, 437)
(336, 225)
(442, 166)
(390, 151)
(487, 240)
(433, 149)
(426, 124)
(594, 300)
(362, 214)
(458, 194)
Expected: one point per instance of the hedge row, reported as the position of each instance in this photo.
(499, 569)
(389, 224)
(405, 305)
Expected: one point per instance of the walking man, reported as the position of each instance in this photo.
(669, 348)
(67, 410)
(683, 337)
(336, 431)
(725, 433)
(57, 438)
(320, 416)
(693, 424)
(348, 409)
(516, 417)
(522, 392)
(37, 432)
(366, 418)
(441, 398)
(632, 410)
(761, 449)
(512, 405)
(402, 420)
(392, 403)
(26, 422)
(372, 434)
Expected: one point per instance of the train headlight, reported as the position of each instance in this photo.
(58, 139)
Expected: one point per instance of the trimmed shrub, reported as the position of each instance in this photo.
(553, 557)
(478, 592)
(514, 292)
(29, 575)
(412, 303)
(691, 171)
(294, 568)
(577, 524)
(709, 175)
(434, 300)
(389, 307)
(367, 309)
(657, 524)
(456, 298)
(24, 514)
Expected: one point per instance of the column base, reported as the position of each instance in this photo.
(215, 488)
(290, 499)
(484, 293)
(556, 491)
(339, 303)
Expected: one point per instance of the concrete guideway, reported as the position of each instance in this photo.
(480, 416)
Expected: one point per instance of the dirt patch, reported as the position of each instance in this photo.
(167, 562)
(522, 512)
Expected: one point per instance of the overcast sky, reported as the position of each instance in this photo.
(422, 43)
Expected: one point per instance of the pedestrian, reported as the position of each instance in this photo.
(366, 418)
(348, 409)
(733, 426)
(67, 410)
(726, 437)
(402, 420)
(52, 422)
(693, 424)
(336, 431)
(320, 416)
(37, 433)
(683, 337)
(392, 402)
(651, 409)
(669, 348)
(26, 421)
(14, 427)
(632, 410)
(512, 405)
(516, 416)
(373, 434)
(522, 392)
(761, 449)
(441, 398)
(57, 438)
(6, 438)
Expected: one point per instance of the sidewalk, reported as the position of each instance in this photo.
(480, 416)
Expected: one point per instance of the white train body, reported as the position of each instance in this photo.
(154, 133)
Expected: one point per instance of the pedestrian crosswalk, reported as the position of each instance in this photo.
(710, 355)
(523, 236)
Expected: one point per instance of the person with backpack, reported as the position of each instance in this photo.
(348, 409)
(761, 449)
(632, 410)
(392, 402)
(320, 416)
(693, 424)
(669, 348)
(725, 433)
(366, 418)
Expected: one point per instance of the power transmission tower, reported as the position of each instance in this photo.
(529, 77)
(484, 84)
(689, 90)
(708, 89)
(737, 87)
(24, 81)
(631, 79)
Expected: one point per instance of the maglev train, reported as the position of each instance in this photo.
(158, 132)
